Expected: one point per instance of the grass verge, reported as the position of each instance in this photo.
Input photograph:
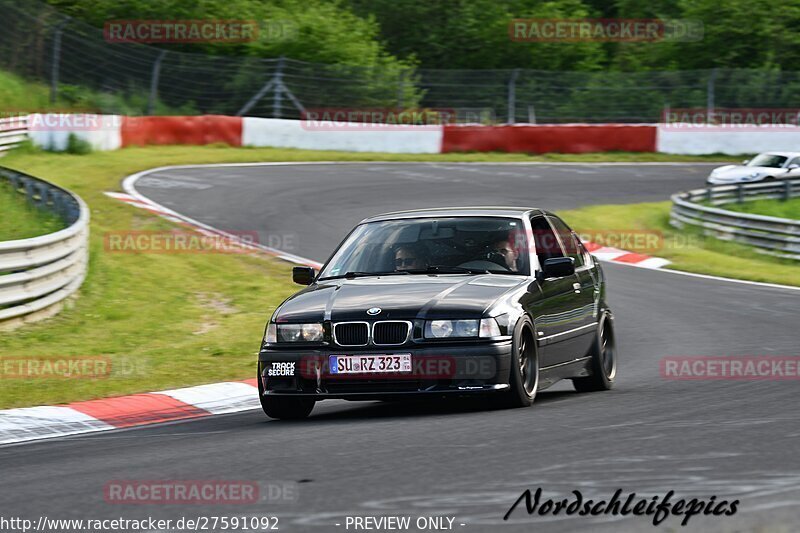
(172, 320)
(772, 208)
(20, 219)
(688, 250)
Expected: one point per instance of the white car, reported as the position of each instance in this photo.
(763, 167)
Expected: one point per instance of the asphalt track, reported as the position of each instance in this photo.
(735, 440)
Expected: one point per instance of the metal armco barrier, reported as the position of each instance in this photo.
(37, 274)
(772, 235)
(13, 131)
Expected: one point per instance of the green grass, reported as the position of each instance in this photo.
(772, 208)
(18, 95)
(688, 250)
(21, 220)
(170, 320)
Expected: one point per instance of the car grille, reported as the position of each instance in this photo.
(351, 333)
(389, 333)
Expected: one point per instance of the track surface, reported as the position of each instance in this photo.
(736, 440)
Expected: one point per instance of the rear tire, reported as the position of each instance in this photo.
(284, 408)
(604, 359)
(524, 373)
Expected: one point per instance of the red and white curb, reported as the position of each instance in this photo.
(33, 423)
(624, 257)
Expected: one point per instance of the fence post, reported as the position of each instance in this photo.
(276, 98)
(151, 101)
(531, 114)
(54, 71)
(512, 95)
(710, 96)
(401, 85)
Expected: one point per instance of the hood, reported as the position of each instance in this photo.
(402, 297)
(734, 173)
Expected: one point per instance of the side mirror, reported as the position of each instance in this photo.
(793, 166)
(303, 275)
(558, 267)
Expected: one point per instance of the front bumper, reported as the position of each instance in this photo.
(462, 369)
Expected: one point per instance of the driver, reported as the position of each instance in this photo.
(509, 254)
(407, 257)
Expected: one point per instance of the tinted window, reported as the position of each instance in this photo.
(545, 240)
(766, 160)
(571, 247)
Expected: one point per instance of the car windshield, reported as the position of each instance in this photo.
(455, 245)
(767, 160)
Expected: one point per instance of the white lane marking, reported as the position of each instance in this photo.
(715, 278)
(129, 182)
(128, 185)
(163, 182)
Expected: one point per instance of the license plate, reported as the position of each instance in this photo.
(370, 364)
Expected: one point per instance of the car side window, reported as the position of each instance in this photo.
(795, 161)
(587, 257)
(567, 238)
(547, 246)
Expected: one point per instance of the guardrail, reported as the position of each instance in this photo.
(771, 235)
(13, 131)
(37, 274)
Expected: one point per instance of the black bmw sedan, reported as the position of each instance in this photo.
(497, 301)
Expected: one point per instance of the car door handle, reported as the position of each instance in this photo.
(577, 287)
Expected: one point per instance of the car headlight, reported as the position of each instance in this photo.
(293, 333)
(441, 329)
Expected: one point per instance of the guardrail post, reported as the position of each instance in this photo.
(740, 193)
(709, 194)
(787, 190)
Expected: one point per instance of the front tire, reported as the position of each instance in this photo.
(284, 408)
(604, 360)
(524, 372)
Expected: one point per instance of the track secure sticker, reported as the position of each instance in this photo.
(278, 370)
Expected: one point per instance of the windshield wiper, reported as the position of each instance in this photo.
(352, 274)
(447, 269)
